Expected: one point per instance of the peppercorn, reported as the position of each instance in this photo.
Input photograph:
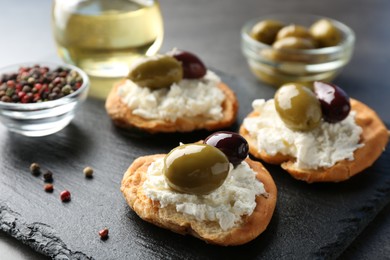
(35, 169)
(103, 233)
(67, 89)
(88, 172)
(48, 176)
(38, 84)
(10, 91)
(26, 88)
(10, 83)
(65, 196)
(30, 80)
(49, 187)
(6, 99)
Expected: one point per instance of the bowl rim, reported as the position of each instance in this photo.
(50, 103)
(346, 30)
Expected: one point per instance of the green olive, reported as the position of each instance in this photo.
(195, 168)
(266, 31)
(293, 43)
(294, 30)
(298, 107)
(156, 72)
(325, 33)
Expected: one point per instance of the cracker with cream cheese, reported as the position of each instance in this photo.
(123, 117)
(374, 137)
(209, 231)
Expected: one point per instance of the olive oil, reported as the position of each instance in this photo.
(103, 37)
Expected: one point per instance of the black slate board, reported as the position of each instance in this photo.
(310, 221)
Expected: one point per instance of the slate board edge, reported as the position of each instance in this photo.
(42, 238)
(361, 217)
(344, 238)
(39, 236)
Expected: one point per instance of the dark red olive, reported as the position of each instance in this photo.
(233, 145)
(334, 101)
(193, 67)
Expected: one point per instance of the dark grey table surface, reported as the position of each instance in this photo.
(211, 29)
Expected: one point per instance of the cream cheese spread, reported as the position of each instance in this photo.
(225, 205)
(321, 147)
(188, 98)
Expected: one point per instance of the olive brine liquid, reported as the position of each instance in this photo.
(103, 37)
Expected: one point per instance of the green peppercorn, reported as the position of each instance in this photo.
(31, 80)
(35, 168)
(67, 89)
(88, 172)
(10, 92)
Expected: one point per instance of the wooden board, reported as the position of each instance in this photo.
(311, 221)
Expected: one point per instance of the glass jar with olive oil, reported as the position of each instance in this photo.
(103, 37)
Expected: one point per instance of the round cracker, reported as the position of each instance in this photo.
(374, 137)
(208, 231)
(123, 117)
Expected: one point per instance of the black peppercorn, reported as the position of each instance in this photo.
(48, 176)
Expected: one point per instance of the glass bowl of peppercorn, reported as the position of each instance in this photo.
(38, 99)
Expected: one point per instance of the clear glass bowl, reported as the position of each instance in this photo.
(276, 67)
(44, 118)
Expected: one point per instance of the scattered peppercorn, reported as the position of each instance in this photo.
(88, 172)
(38, 84)
(49, 187)
(48, 176)
(103, 234)
(35, 169)
(65, 196)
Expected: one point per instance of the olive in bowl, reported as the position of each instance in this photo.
(40, 98)
(305, 49)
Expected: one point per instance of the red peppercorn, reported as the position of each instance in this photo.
(65, 196)
(57, 80)
(25, 99)
(43, 88)
(21, 94)
(10, 83)
(37, 97)
(38, 86)
(49, 187)
(103, 233)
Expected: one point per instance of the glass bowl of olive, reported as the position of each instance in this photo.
(40, 98)
(296, 48)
